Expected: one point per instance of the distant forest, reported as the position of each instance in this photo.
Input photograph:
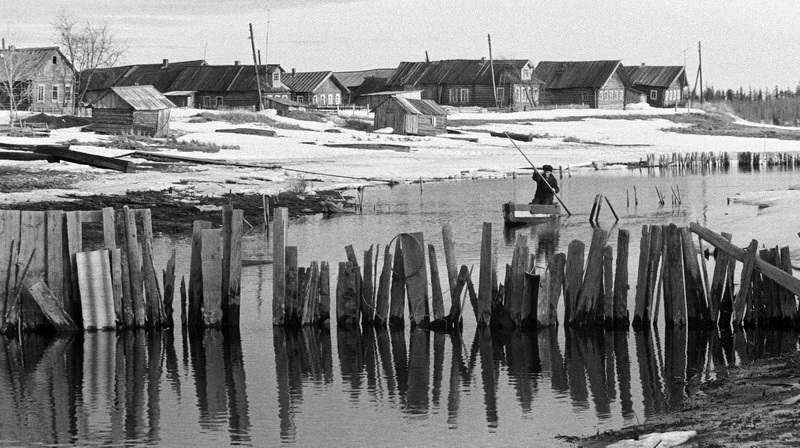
(779, 107)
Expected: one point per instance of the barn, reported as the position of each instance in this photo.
(663, 84)
(408, 116)
(593, 84)
(132, 109)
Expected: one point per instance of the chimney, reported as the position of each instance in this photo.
(294, 72)
(164, 63)
(236, 63)
(642, 64)
(3, 47)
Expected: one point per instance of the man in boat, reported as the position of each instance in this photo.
(546, 186)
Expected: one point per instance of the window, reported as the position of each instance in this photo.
(330, 98)
(55, 60)
(501, 93)
(464, 95)
(433, 121)
(206, 101)
(276, 76)
(218, 101)
(54, 94)
(654, 94)
(584, 96)
(314, 99)
(526, 73)
(67, 94)
(453, 96)
(338, 98)
(300, 98)
(40, 93)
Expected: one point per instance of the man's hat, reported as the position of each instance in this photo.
(547, 168)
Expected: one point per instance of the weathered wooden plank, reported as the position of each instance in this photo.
(588, 300)
(414, 265)
(382, 300)
(97, 298)
(454, 317)
(280, 227)
(231, 314)
(367, 291)
(641, 317)
(347, 301)
(776, 274)
(788, 300)
(515, 284)
(9, 238)
(184, 295)
(154, 305)
(169, 290)
(657, 252)
(450, 262)
(483, 312)
(227, 229)
(32, 241)
(55, 253)
(620, 299)
(127, 291)
(49, 304)
(324, 308)
(116, 284)
(92, 160)
(676, 299)
(211, 256)
(608, 286)
(398, 289)
(135, 268)
(745, 287)
(109, 228)
(543, 299)
(311, 294)
(437, 297)
(72, 303)
(292, 287)
(574, 278)
(556, 271)
(696, 305)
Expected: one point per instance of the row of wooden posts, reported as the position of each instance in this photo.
(672, 275)
(747, 159)
(50, 279)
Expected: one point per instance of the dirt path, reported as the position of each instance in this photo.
(758, 405)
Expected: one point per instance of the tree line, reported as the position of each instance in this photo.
(776, 106)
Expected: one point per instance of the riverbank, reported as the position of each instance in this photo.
(756, 405)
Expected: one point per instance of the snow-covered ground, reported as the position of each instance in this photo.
(596, 139)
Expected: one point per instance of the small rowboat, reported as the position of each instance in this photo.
(517, 214)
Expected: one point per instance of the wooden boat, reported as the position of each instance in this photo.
(517, 214)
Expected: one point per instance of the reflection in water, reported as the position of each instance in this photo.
(107, 388)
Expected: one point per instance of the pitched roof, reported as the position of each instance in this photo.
(656, 76)
(141, 97)
(458, 71)
(28, 61)
(417, 107)
(352, 80)
(310, 81)
(578, 74)
(159, 76)
(371, 84)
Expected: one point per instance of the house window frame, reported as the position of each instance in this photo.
(653, 94)
(584, 96)
(433, 121)
(300, 98)
(453, 95)
(276, 76)
(314, 99)
(330, 99)
(67, 93)
(337, 98)
(526, 74)
(206, 101)
(463, 96)
(54, 93)
(218, 101)
(500, 92)
(40, 93)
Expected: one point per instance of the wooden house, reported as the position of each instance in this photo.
(663, 85)
(593, 84)
(407, 116)
(132, 109)
(41, 79)
(507, 83)
(361, 82)
(319, 89)
(95, 83)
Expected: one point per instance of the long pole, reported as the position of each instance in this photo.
(537, 171)
(491, 67)
(700, 71)
(255, 65)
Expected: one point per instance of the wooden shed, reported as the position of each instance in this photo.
(663, 85)
(409, 116)
(283, 105)
(133, 109)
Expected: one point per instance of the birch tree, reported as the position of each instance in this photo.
(88, 46)
(16, 90)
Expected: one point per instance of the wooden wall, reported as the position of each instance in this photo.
(564, 97)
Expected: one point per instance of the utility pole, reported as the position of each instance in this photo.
(255, 65)
(491, 67)
(700, 70)
(266, 43)
(426, 56)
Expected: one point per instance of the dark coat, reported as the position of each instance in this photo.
(542, 191)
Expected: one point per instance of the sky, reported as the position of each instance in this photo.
(744, 43)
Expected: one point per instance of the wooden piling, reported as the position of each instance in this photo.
(657, 255)
(620, 296)
(436, 291)
(450, 262)
(556, 271)
(347, 300)
(398, 289)
(168, 278)
(608, 287)
(483, 312)
(280, 226)
(232, 296)
(696, 304)
(135, 270)
(414, 265)
(323, 307)
(745, 287)
(788, 300)
(292, 287)
(675, 300)
(641, 316)
(574, 278)
(516, 282)
(9, 235)
(211, 263)
(382, 299)
(154, 305)
(589, 297)
(367, 291)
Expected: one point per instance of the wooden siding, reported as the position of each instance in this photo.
(564, 97)
(150, 122)
(391, 114)
(662, 98)
(612, 94)
(431, 125)
(50, 75)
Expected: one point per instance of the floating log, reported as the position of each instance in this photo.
(249, 131)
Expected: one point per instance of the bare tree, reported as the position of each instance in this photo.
(16, 90)
(88, 47)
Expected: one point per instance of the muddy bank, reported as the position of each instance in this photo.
(756, 405)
